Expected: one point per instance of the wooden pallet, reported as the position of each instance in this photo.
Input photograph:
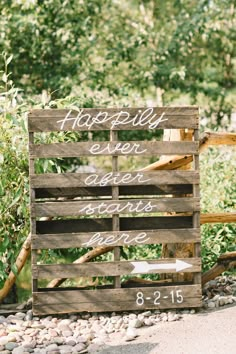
(114, 209)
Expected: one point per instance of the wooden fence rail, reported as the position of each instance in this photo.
(208, 139)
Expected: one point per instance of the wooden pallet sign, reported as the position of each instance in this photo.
(112, 209)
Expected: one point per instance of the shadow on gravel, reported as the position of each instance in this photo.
(139, 348)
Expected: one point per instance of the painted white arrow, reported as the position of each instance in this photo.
(145, 267)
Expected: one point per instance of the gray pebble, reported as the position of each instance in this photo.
(51, 347)
(136, 323)
(70, 341)
(146, 313)
(78, 348)
(29, 315)
(18, 350)
(11, 345)
(148, 322)
(4, 340)
(131, 334)
(211, 304)
(20, 315)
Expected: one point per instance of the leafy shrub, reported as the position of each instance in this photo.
(14, 196)
(218, 194)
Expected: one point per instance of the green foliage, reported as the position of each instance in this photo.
(178, 47)
(218, 194)
(52, 42)
(14, 194)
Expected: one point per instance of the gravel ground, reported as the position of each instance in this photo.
(153, 332)
(207, 332)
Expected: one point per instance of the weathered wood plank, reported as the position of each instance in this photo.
(175, 189)
(127, 148)
(32, 219)
(196, 215)
(109, 207)
(115, 268)
(71, 180)
(114, 238)
(105, 224)
(161, 297)
(113, 118)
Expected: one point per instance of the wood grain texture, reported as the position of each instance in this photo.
(74, 192)
(117, 238)
(32, 219)
(109, 207)
(115, 217)
(64, 301)
(72, 180)
(115, 268)
(52, 120)
(196, 214)
(214, 218)
(128, 148)
(105, 224)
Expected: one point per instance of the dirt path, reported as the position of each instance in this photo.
(208, 332)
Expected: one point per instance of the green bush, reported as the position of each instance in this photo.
(218, 194)
(14, 194)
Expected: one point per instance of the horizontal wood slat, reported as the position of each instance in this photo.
(65, 180)
(128, 148)
(114, 238)
(110, 207)
(51, 271)
(113, 118)
(176, 189)
(105, 224)
(65, 301)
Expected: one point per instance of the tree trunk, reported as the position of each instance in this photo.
(20, 262)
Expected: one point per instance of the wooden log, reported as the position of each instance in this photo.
(98, 251)
(209, 139)
(20, 262)
(213, 218)
(169, 164)
(224, 262)
(221, 138)
(228, 257)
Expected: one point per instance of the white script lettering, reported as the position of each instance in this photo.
(100, 240)
(117, 208)
(122, 148)
(115, 179)
(144, 117)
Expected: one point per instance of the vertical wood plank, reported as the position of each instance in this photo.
(196, 214)
(115, 217)
(32, 219)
